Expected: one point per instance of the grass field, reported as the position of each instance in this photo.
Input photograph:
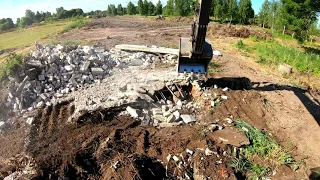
(24, 37)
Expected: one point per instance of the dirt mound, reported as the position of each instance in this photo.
(181, 19)
(229, 30)
(129, 22)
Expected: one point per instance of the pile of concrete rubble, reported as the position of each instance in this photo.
(52, 72)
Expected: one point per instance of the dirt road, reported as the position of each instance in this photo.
(88, 150)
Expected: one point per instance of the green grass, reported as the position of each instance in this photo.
(24, 37)
(11, 64)
(240, 44)
(268, 152)
(271, 52)
(76, 24)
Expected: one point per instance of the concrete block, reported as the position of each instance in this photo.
(41, 77)
(156, 111)
(136, 62)
(188, 118)
(176, 114)
(170, 118)
(97, 71)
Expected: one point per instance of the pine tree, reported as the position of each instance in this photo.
(131, 9)
(145, 8)
(245, 11)
(151, 9)
(120, 10)
(140, 7)
(169, 8)
(232, 9)
(158, 8)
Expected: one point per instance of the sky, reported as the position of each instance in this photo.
(16, 8)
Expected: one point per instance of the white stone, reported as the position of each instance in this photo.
(97, 71)
(225, 89)
(133, 112)
(216, 53)
(2, 124)
(224, 97)
(68, 68)
(30, 120)
(189, 151)
(176, 114)
(212, 103)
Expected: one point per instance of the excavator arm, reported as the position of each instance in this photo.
(195, 53)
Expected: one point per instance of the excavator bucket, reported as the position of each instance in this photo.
(189, 64)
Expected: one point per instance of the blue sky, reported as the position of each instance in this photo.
(16, 8)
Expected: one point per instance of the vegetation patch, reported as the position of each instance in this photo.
(10, 65)
(263, 153)
(76, 24)
(272, 52)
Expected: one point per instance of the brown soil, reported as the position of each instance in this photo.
(110, 31)
(90, 148)
(228, 30)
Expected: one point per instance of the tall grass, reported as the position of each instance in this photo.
(78, 22)
(275, 53)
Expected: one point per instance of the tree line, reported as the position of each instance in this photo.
(298, 17)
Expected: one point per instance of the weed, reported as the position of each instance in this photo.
(240, 164)
(261, 147)
(202, 132)
(10, 65)
(240, 44)
(257, 172)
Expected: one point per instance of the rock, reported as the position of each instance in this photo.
(68, 68)
(136, 62)
(41, 77)
(133, 112)
(229, 136)
(40, 104)
(285, 69)
(85, 66)
(172, 57)
(176, 115)
(97, 71)
(216, 53)
(224, 97)
(188, 118)
(164, 108)
(30, 120)
(189, 151)
(212, 103)
(166, 114)
(170, 119)
(2, 124)
(225, 89)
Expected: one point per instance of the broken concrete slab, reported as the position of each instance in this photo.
(229, 136)
(147, 49)
(188, 118)
(285, 69)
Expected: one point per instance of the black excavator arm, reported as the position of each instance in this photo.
(195, 52)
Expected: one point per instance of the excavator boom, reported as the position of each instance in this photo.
(195, 53)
